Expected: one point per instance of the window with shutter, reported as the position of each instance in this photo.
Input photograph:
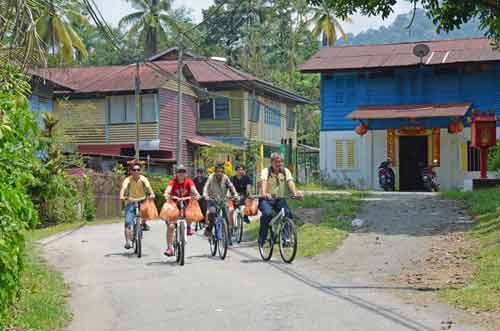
(221, 108)
(130, 109)
(345, 154)
(255, 111)
(207, 109)
(290, 118)
(116, 109)
(148, 111)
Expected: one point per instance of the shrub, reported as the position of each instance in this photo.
(159, 184)
(17, 135)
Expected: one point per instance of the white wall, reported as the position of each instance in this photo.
(371, 150)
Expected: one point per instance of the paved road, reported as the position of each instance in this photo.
(114, 291)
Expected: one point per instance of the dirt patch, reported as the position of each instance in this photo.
(446, 263)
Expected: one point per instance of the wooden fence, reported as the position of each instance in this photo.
(106, 187)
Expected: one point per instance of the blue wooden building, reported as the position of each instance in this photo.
(412, 107)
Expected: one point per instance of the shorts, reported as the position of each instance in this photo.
(130, 215)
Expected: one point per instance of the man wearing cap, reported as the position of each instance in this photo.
(181, 186)
(134, 188)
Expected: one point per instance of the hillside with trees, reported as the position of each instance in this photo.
(401, 30)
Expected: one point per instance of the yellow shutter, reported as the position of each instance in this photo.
(463, 156)
(339, 154)
(350, 154)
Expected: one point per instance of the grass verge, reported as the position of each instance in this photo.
(326, 236)
(42, 299)
(483, 292)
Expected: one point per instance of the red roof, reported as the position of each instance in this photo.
(401, 54)
(211, 71)
(409, 111)
(109, 78)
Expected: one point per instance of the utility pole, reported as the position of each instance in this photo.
(137, 86)
(179, 102)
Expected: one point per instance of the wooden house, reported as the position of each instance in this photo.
(408, 106)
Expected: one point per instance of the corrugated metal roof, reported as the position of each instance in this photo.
(409, 111)
(108, 78)
(116, 78)
(401, 54)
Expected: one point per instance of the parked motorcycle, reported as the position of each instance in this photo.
(386, 177)
(429, 178)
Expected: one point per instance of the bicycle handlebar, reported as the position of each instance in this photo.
(291, 197)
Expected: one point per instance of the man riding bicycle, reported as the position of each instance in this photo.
(135, 188)
(180, 187)
(217, 187)
(242, 183)
(276, 184)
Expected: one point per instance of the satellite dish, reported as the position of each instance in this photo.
(421, 50)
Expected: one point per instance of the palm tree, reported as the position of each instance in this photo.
(54, 28)
(151, 23)
(325, 22)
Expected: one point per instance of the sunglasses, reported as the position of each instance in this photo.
(136, 170)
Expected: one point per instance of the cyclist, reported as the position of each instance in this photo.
(200, 180)
(276, 183)
(181, 186)
(242, 184)
(134, 188)
(217, 187)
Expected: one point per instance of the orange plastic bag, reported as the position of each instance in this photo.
(193, 212)
(148, 210)
(251, 207)
(169, 212)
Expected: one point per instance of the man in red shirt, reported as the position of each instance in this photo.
(181, 186)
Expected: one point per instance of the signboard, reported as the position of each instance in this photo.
(391, 146)
(436, 147)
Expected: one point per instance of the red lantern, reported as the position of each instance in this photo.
(455, 127)
(361, 129)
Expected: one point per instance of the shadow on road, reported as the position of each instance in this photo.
(385, 312)
(124, 254)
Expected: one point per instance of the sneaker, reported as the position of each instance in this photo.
(206, 233)
(189, 231)
(145, 227)
(169, 252)
(128, 245)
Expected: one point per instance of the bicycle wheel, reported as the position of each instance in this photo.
(266, 249)
(138, 238)
(223, 242)
(238, 228)
(176, 244)
(212, 242)
(181, 243)
(288, 240)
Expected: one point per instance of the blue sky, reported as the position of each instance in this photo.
(113, 10)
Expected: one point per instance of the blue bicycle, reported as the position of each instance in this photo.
(219, 236)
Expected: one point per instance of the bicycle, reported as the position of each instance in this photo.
(137, 239)
(237, 229)
(218, 237)
(282, 230)
(180, 231)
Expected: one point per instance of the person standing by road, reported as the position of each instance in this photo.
(135, 188)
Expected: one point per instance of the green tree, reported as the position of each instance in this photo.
(447, 15)
(325, 22)
(20, 43)
(152, 24)
(54, 25)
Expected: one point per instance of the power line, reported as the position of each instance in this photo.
(209, 16)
